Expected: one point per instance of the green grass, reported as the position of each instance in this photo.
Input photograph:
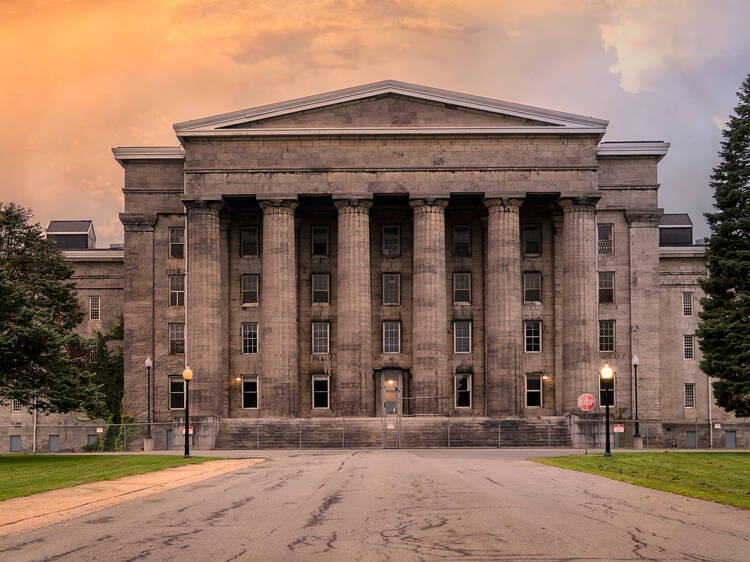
(719, 477)
(24, 475)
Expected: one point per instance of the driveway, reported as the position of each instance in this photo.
(398, 505)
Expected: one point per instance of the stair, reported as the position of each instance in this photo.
(405, 432)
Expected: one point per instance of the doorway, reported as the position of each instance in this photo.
(391, 392)
(730, 439)
(690, 440)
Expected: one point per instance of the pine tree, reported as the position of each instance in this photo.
(38, 312)
(724, 332)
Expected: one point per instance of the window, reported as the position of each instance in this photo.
(391, 240)
(392, 337)
(606, 286)
(93, 353)
(462, 288)
(533, 390)
(320, 241)
(249, 242)
(690, 395)
(176, 290)
(249, 337)
(462, 240)
(15, 405)
(533, 336)
(532, 286)
(320, 391)
(604, 239)
(532, 240)
(177, 338)
(177, 243)
(462, 336)
(606, 335)
(94, 308)
(604, 394)
(250, 392)
(320, 337)
(320, 288)
(688, 347)
(462, 390)
(176, 392)
(391, 289)
(249, 288)
(687, 304)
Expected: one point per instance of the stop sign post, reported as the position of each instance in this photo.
(586, 402)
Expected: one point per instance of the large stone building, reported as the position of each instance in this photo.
(393, 249)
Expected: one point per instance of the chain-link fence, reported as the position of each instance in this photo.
(372, 433)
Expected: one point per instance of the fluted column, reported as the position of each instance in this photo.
(429, 373)
(204, 318)
(503, 305)
(580, 314)
(353, 378)
(278, 344)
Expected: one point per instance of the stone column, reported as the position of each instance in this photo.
(557, 256)
(353, 377)
(139, 311)
(204, 333)
(503, 305)
(278, 344)
(580, 354)
(429, 315)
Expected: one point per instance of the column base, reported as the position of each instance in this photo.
(148, 444)
(637, 442)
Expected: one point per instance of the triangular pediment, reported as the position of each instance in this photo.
(390, 107)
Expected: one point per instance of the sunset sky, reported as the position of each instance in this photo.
(79, 77)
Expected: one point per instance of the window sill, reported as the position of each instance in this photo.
(321, 304)
(249, 305)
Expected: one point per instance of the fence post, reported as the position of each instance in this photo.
(343, 432)
(449, 432)
(125, 437)
(300, 433)
(498, 435)
(257, 433)
(549, 443)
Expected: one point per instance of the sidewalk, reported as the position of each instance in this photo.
(18, 515)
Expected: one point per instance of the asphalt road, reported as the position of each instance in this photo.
(398, 505)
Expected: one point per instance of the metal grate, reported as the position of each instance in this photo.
(320, 288)
(177, 338)
(462, 288)
(532, 286)
(176, 290)
(391, 240)
(606, 335)
(249, 241)
(391, 289)
(249, 288)
(606, 286)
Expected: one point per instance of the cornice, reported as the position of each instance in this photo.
(138, 222)
(393, 131)
(124, 153)
(633, 148)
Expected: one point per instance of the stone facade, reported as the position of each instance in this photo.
(395, 249)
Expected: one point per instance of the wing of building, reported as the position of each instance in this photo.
(394, 249)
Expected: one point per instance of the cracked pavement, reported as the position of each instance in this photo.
(398, 505)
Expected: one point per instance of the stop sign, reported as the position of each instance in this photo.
(586, 402)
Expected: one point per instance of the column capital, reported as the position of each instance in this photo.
(353, 205)
(579, 203)
(278, 206)
(204, 205)
(503, 204)
(643, 217)
(429, 205)
(138, 222)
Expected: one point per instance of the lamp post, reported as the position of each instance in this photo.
(636, 362)
(187, 376)
(606, 374)
(148, 365)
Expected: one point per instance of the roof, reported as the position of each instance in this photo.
(562, 122)
(70, 227)
(676, 219)
(95, 254)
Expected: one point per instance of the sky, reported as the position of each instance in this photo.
(81, 77)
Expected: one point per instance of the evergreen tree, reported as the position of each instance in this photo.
(38, 312)
(724, 332)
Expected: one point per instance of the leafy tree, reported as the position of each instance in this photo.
(724, 332)
(38, 312)
(107, 372)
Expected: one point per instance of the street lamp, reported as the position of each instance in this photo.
(636, 362)
(187, 376)
(606, 374)
(148, 365)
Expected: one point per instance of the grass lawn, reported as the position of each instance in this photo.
(719, 477)
(24, 475)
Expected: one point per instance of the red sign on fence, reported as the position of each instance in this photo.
(190, 429)
(586, 402)
(619, 428)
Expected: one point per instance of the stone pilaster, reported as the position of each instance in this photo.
(645, 334)
(557, 258)
(503, 303)
(580, 353)
(429, 317)
(278, 344)
(138, 309)
(353, 377)
(204, 333)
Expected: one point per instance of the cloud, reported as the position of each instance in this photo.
(720, 121)
(653, 40)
